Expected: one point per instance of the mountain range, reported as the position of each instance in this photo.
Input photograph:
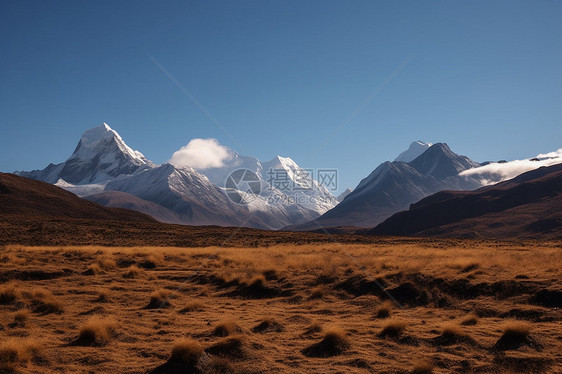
(393, 186)
(278, 194)
(104, 169)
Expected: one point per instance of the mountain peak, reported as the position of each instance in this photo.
(101, 132)
(101, 155)
(415, 149)
(440, 161)
(344, 194)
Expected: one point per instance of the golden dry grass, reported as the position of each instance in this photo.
(393, 328)
(442, 288)
(423, 367)
(384, 309)
(470, 319)
(187, 351)
(8, 294)
(516, 329)
(15, 353)
(97, 331)
(226, 328)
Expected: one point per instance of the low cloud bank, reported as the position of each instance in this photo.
(496, 172)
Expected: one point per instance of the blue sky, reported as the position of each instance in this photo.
(485, 77)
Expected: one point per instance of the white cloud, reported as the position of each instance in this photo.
(201, 154)
(496, 172)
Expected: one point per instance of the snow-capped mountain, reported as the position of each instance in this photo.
(104, 169)
(284, 184)
(100, 156)
(189, 194)
(416, 149)
(393, 186)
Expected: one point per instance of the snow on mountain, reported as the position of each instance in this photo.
(101, 155)
(81, 189)
(284, 185)
(416, 149)
(103, 162)
(283, 175)
(187, 193)
(104, 137)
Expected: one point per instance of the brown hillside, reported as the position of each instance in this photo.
(23, 198)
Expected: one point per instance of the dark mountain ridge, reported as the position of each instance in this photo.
(529, 205)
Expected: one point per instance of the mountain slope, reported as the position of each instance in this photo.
(344, 194)
(393, 186)
(23, 198)
(287, 194)
(117, 199)
(101, 155)
(189, 194)
(529, 205)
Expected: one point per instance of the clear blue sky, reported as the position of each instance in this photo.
(483, 76)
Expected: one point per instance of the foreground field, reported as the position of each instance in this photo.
(435, 306)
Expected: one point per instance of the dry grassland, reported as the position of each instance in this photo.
(435, 306)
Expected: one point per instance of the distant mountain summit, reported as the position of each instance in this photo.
(393, 186)
(344, 194)
(101, 155)
(283, 183)
(415, 149)
(439, 162)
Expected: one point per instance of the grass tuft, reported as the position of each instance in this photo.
(334, 343)
(316, 293)
(15, 352)
(160, 299)
(383, 310)
(451, 330)
(268, 325)
(193, 306)
(470, 320)
(44, 302)
(232, 346)
(93, 269)
(20, 318)
(516, 329)
(422, 367)
(132, 272)
(8, 294)
(393, 328)
(226, 328)
(97, 331)
(106, 262)
(188, 352)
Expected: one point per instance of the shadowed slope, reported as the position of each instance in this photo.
(23, 198)
(526, 206)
